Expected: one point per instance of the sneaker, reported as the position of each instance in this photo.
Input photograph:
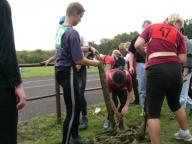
(84, 123)
(106, 124)
(141, 114)
(78, 141)
(180, 136)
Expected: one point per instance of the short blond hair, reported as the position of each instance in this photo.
(175, 19)
(117, 53)
(121, 46)
(127, 44)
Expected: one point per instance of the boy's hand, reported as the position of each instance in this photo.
(44, 63)
(21, 98)
(78, 67)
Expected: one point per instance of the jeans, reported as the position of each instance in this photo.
(185, 100)
(141, 83)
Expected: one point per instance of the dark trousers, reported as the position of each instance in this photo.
(82, 78)
(67, 78)
(135, 87)
(8, 116)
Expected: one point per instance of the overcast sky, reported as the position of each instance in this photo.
(36, 21)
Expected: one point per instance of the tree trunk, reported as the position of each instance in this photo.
(106, 95)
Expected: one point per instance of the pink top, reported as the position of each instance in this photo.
(127, 86)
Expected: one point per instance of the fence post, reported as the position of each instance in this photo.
(58, 100)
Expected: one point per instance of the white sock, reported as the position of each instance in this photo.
(184, 132)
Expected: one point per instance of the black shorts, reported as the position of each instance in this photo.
(163, 80)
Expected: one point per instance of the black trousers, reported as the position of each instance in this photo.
(8, 116)
(135, 87)
(163, 80)
(67, 78)
(82, 78)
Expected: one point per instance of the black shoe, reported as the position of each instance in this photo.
(84, 123)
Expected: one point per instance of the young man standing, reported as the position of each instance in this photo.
(69, 54)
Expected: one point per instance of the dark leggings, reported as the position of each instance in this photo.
(163, 80)
(82, 78)
(67, 78)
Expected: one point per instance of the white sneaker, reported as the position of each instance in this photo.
(180, 136)
(106, 124)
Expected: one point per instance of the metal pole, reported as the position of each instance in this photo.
(58, 100)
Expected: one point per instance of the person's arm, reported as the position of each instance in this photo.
(77, 53)
(182, 58)
(131, 61)
(185, 73)
(87, 49)
(8, 60)
(139, 45)
(114, 108)
(84, 61)
(48, 61)
(126, 106)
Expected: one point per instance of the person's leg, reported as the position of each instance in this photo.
(184, 91)
(156, 86)
(106, 124)
(173, 95)
(141, 83)
(135, 88)
(82, 78)
(81, 75)
(122, 95)
(66, 79)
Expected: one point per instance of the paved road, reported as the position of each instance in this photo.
(35, 87)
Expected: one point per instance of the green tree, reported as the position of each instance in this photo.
(188, 28)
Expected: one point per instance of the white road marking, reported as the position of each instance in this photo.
(47, 85)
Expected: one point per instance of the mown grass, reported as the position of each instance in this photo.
(46, 130)
(36, 72)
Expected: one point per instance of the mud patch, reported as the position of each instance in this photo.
(128, 136)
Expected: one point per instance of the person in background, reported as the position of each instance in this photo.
(185, 100)
(140, 67)
(165, 52)
(126, 47)
(120, 89)
(12, 95)
(68, 55)
(81, 75)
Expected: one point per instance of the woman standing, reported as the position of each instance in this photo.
(166, 51)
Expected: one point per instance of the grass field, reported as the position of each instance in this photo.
(46, 130)
(32, 72)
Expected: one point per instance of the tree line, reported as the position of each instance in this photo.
(106, 46)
